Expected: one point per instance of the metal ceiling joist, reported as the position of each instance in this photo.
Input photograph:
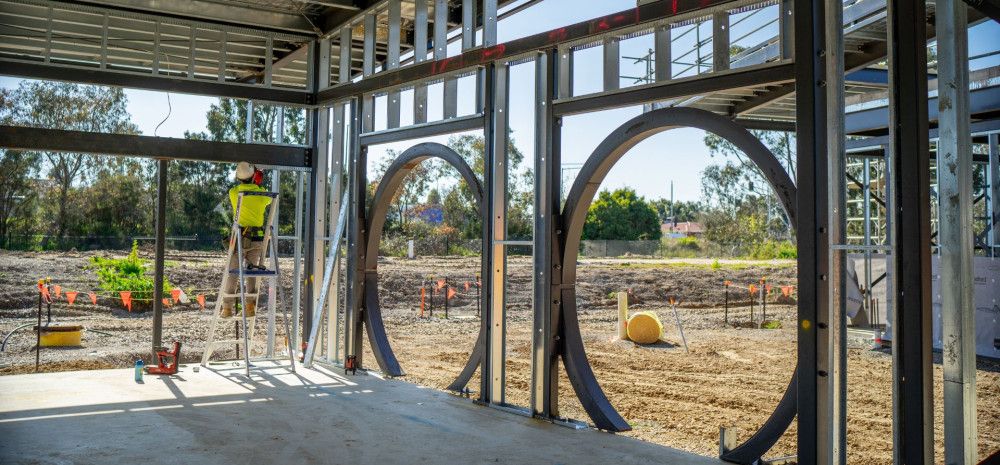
(58, 140)
(586, 30)
(772, 74)
(151, 82)
(226, 13)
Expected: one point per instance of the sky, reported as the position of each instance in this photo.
(679, 155)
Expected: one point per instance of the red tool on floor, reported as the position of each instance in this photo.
(166, 360)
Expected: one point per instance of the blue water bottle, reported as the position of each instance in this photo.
(138, 371)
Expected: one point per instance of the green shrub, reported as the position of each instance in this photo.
(771, 324)
(716, 265)
(127, 274)
(688, 242)
(770, 250)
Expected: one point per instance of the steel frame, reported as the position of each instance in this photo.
(341, 120)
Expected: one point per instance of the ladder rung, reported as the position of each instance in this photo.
(236, 317)
(248, 294)
(228, 341)
(255, 273)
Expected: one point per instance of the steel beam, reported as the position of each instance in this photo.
(913, 418)
(417, 131)
(162, 167)
(60, 140)
(160, 82)
(813, 240)
(954, 161)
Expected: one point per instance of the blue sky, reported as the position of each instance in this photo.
(678, 155)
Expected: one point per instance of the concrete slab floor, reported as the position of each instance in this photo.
(217, 416)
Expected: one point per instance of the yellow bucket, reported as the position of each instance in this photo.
(61, 335)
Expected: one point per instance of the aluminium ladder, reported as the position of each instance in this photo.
(241, 273)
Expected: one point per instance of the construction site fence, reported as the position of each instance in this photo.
(83, 243)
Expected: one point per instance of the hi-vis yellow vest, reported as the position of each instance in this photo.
(253, 207)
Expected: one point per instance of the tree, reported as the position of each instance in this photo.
(68, 106)
(738, 188)
(683, 211)
(413, 189)
(621, 215)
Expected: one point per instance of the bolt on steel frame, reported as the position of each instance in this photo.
(795, 83)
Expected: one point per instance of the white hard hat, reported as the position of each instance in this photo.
(244, 170)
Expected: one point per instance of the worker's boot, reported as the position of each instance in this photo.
(227, 311)
(251, 309)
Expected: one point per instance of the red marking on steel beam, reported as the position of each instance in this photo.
(673, 6)
(494, 52)
(557, 35)
(603, 25)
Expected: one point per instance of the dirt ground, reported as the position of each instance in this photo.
(733, 375)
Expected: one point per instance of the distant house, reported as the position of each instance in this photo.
(684, 229)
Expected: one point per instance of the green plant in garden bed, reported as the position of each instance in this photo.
(127, 274)
(771, 324)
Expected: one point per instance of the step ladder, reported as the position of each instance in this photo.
(272, 275)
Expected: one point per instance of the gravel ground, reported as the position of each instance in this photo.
(732, 376)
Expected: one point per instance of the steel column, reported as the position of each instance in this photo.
(392, 62)
(336, 189)
(357, 187)
(662, 50)
(954, 156)
(814, 422)
(367, 102)
(612, 64)
(994, 165)
(162, 167)
(420, 55)
(720, 41)
(913, 418)
(545, 357)
(494, 373)
(832, 343)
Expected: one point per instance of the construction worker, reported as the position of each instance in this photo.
(251, 222)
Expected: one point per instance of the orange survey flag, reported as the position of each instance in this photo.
(166, 302)
(440, 283)
(452, 292)
(126, 299)
(175, 294)
(727, 283)
(57, 290)
(93, 297)
(467, 286)
(786, 291)
(201, 300)
(753, 289)
(71, 296)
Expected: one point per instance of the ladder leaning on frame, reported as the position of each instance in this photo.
(241, 273)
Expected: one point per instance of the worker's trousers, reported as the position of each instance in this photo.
(252, 250)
